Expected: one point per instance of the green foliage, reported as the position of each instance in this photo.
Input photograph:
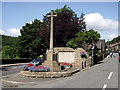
(83, 39)
(34, 39)
(77, 41)
(9, 52)
(30, 43)
(0, 47)
(65, 8)
(72, 43)
(9, 41)
(115, 40)
(92, 36)
(106, 52)
(66, 25)
(8, 47)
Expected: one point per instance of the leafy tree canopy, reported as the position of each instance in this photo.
(84, 39)
(9, 52)
(8, 47)
(66, 25)
(34, 39)
(8, 40)
(31, 44)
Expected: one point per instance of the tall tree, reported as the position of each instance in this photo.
(34, 39)
(84, 39)
(66, 25)
(31, 44)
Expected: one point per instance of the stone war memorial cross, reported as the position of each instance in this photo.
(51, 30)
(50, 62)
(63, 54)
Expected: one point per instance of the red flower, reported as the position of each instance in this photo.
(30, 64)
(39, 67)
(65, 64)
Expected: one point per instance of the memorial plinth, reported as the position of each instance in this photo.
(52, 64)
(49, 74)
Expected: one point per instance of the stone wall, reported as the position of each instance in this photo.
(79, 62)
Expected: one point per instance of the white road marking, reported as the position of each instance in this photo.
(110, 75)
(104, 86)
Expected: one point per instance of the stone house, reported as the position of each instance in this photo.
(101, 45)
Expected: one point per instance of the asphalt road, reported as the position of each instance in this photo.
(103, 75)
(8, 70)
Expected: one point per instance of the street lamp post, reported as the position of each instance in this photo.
(92, 55)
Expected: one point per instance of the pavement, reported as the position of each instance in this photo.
(103, 75)
(15, 80)
(16, 64)
(11, 69)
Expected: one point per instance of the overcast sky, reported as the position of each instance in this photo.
(100, 16)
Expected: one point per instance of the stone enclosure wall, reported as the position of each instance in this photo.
(69, 55)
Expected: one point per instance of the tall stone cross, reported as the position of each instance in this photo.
(51, 30)
(50, 62)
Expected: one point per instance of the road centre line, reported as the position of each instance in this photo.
(110, 75)
(104, 86)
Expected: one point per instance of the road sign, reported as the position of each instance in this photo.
(93, 47)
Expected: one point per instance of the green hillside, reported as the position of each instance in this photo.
(115, 40)
(9, 41)
(8, 46)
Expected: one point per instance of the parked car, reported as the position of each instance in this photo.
(37, 61)
(34, 62)
(27, 66)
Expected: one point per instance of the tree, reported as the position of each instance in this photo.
(77, 41)
(92, 37)
(8, 41)
(34, 39)
(114, 40)
(30, 43)
(9, 52)
(84, 39)
(66, 25)
(8, 48)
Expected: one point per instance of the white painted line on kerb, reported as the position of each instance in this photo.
(110, 75)
(104, 86)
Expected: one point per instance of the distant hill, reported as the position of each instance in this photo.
(8, 41)
(115, 40)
